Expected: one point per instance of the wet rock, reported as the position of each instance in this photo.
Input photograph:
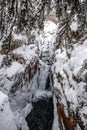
(47, 83)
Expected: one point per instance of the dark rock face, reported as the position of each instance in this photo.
(41, 116)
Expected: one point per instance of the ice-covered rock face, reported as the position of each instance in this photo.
(7, 121)
(70, 82)
(18, 79)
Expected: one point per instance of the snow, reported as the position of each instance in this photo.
(27, 110)
(85, 42)
(55, 122)
(20, 37)
(42, 93)
(20, 121)
(71, 90)
(14, 69)
(7, 121)
(71, 96)
(27, 52)
(82, 0)
(74, 26)
(1, 59)
(78, 56)
(3, 98)
(50, 29)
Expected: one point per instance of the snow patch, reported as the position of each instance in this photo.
(74, 26)
(6, 117)
(55, 123)
(3, 99)
(27, 52)
(20, 37)
(1, 59)
(41, 93)
(14, 69)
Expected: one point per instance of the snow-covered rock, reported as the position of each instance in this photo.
(14, 69)
(7, 121)
(70, 84)
(74, 26)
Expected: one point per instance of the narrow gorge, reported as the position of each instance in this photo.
(43, 65)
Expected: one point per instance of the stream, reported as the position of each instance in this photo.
(41, 116)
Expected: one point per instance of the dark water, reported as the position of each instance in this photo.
(41, 117)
